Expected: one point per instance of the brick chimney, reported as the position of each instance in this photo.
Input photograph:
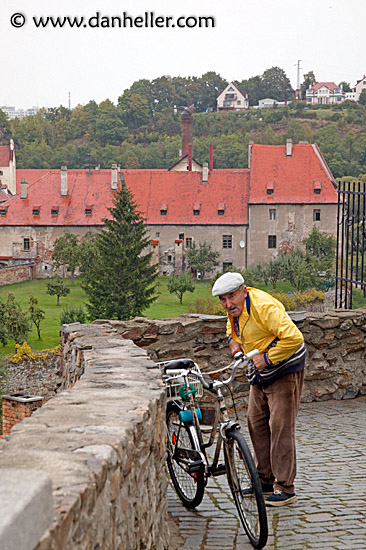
(18, 406)
(210, 166)
(114, 177)
(23, 189)
(63, 181)
(187, 129)
(288, 147)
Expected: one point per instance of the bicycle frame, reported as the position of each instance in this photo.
(222, 423)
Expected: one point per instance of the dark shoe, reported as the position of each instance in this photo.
(280, 498)
(267, 489)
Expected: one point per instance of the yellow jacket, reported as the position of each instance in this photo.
(266, 321)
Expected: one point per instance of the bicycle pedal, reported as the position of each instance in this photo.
(219, 470)
(195, 466)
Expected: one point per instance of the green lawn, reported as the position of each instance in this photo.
(167, 305)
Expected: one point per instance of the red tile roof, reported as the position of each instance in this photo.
(178, 191)
(293, 178)
(4, 155)
(331, 85)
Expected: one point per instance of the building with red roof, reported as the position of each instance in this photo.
(248, 215)
(325, 93)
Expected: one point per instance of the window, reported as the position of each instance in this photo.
(181, 236)
(226, 266)
(163, 212)
(1, 173)
(3, 210)
(169, 258)
(36, 210)
(189, 242)
(317, 187)
(157, 234)
(238, 102)
(221, 212)
(196, 212)
(272, 241)
(54, 211)
(88, 211)
(26, 243)
(163, 209)
(272, 213)
(316, 215)
(270, 188)
(227, 241)
(196, 208)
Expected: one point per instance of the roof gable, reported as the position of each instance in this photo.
(279, 179)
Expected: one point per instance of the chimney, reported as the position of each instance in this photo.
(190, 156)
(18, 406)
(250, 153)
(114, 177)
(63, 181)
(187, 129)
(210, 167)
(288, 147)
(205, 172)
(23, 189)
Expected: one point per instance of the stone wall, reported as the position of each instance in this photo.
(336, 344)
(101, 441)
(15, 274)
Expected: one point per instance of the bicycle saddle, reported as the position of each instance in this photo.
(183, 363)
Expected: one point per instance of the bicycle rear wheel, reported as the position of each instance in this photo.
(242, 474)
(181, 454)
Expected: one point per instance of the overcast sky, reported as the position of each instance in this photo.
(41, 66)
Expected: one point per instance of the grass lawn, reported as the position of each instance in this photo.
(167, 305)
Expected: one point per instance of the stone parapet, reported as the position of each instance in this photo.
(102, 444)
(335, 340)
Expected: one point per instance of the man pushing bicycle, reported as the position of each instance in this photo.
(276, 375)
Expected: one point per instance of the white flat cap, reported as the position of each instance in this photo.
(228, 282)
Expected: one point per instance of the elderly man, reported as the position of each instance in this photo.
(257, 320)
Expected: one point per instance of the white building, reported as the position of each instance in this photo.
(232, 99)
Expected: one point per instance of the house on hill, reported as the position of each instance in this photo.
(232, 98)
(325, 93)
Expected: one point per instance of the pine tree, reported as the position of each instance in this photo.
(121, 284)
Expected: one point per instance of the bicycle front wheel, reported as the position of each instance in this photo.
(188, 481)
(246, 488)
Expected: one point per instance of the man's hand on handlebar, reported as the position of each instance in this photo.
(235, 347)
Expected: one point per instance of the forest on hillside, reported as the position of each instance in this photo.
(143, 130)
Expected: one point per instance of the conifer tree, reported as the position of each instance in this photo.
(121, 284)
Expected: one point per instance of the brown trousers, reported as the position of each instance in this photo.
(272, 412)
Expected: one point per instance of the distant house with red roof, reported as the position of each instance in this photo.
(7, 170)
(325, 93)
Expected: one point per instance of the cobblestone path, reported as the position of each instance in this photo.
(331, 488)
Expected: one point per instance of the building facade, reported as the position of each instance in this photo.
(232, 99)
(325, 93)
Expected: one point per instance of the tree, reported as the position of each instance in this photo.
(122, 282)
(321, 247)
(17, 321)
(66, 253)
(297, 269)
(276, 84)
(202, 258)
(180, 284)
(308, 82)
(345, 86)
(3, 334)
(56, 287)
(36, 314)
(273, 269)
(362, 98)
(88, 252)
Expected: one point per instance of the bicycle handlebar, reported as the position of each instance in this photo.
(239, 358)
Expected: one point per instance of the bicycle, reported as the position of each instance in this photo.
(187, 460)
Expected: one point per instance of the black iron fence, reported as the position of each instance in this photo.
(351, 242)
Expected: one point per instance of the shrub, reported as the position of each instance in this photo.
(298, 299)
(72, 315)
(207, 306)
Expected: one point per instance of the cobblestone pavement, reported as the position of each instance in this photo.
(331, 488)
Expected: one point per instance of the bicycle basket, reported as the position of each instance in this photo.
(172, 388)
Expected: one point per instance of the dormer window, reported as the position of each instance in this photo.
(88, 211)
(196, 208)
(317, 187)
(36, 210)
(270, 188)
(163, 209)
(3, 210)
(221, 209)
(54, 211)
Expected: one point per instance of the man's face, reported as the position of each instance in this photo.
(233, 302)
